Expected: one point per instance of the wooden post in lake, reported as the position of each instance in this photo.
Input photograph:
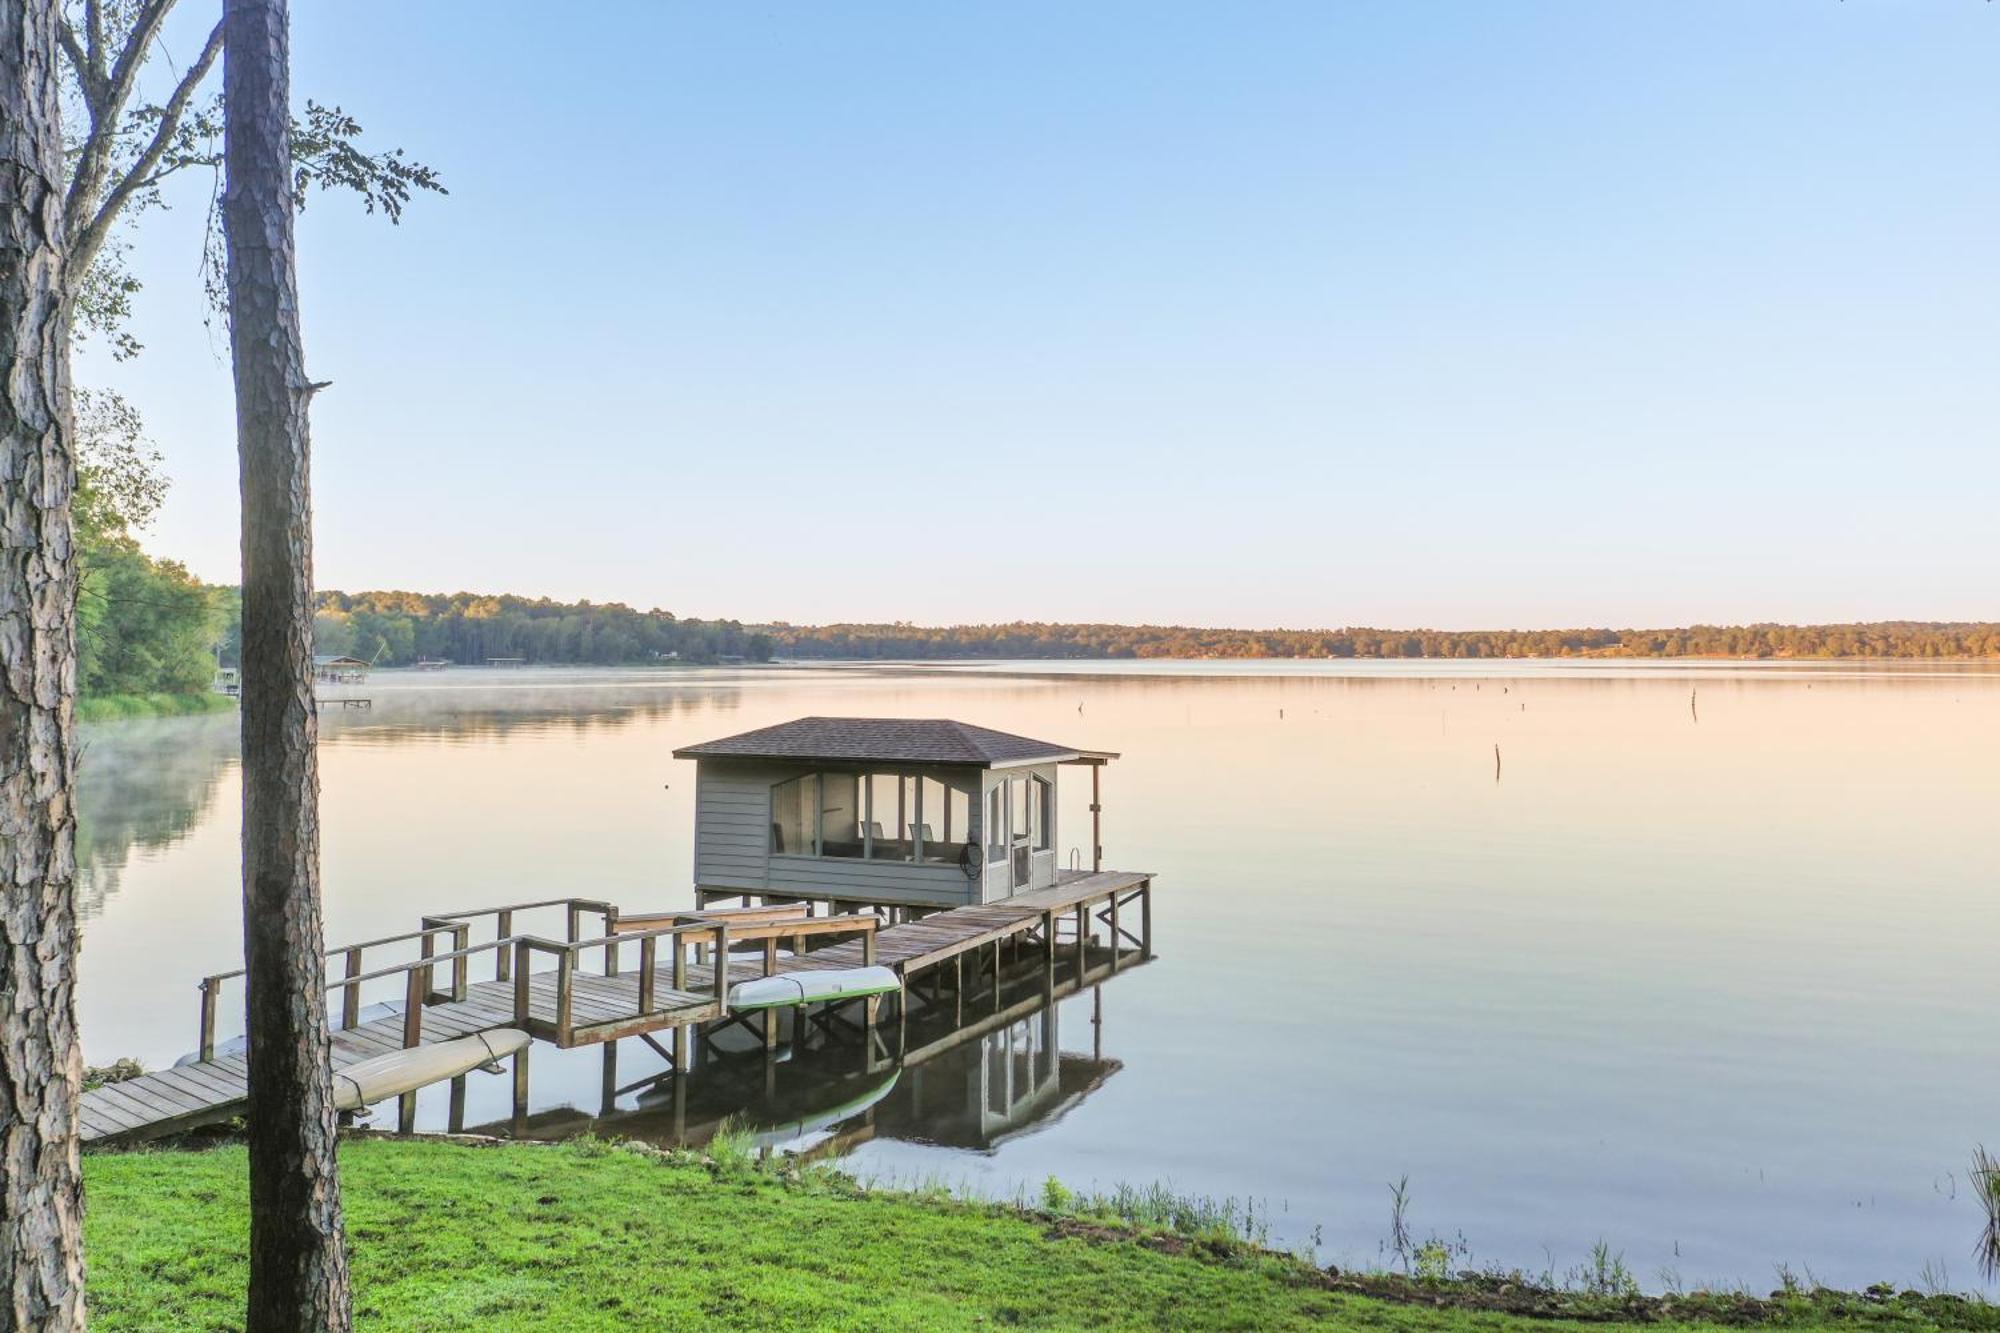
(1082, 941)
(1114, 930)
(1048, 953)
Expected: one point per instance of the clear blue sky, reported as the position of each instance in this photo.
(1458, 314)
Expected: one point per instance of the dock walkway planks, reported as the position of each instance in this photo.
(171, 1100)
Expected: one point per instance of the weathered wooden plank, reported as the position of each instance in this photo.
(210, 1087)
(93, 1124)
(137, 1098)
(118, 1113)
(204, 1099)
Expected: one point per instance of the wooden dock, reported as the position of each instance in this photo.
(674, 985)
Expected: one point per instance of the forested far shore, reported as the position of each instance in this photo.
(399, 628)
(1880, 639)
(149, 630)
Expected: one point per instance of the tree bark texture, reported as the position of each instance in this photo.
(41, 1070)
(298, 1267)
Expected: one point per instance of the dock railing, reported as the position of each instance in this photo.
(787, 925)
(457, 925)
(574, 910)
(569, 954)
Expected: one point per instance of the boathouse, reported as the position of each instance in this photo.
(333, 669)
(887, 811)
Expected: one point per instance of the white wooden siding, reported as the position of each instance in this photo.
(732, 825)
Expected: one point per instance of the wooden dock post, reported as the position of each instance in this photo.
(350, 994)
(461, 966)
(771, 1015)
(522, 958)
(1049, 953)
(1114, 930)
(521, 1083)
(455, 1118)
(1096, 818)
(206, 1037)
(683, 1049)
(721, 972)
(1146, 919)
(503, 959)
(647, 949)
(425, 948)
(414, 991)
(611, 947)
(565, 995)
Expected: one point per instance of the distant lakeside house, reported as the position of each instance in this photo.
(338, 669)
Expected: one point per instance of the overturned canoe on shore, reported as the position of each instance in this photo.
(838, 983)
(399, 1072)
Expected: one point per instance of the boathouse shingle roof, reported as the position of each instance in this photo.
(887, 740)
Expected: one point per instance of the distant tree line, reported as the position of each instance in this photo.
(1884, 639)
(400, 628)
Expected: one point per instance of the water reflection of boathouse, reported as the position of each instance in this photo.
(982, 1093)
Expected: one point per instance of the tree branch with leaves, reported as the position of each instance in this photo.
(127, 145)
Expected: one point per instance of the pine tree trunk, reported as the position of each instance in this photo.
(41, 1070)
(298, 1268)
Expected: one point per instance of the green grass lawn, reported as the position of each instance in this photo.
(114, 707)
(582, 1237)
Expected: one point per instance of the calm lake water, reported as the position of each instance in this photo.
(1702, 967)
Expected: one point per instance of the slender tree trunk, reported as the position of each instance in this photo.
(298, 1268)
(41, 1070)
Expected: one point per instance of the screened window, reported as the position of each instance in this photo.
(944, 827)
(840, 831)
(880, 816)
(794, 814)
(892, 816)
(996, 823)
(1041, 812)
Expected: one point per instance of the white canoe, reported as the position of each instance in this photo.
(399, 1072)
(834, 983)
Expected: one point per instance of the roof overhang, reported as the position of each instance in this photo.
(1094, 757)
